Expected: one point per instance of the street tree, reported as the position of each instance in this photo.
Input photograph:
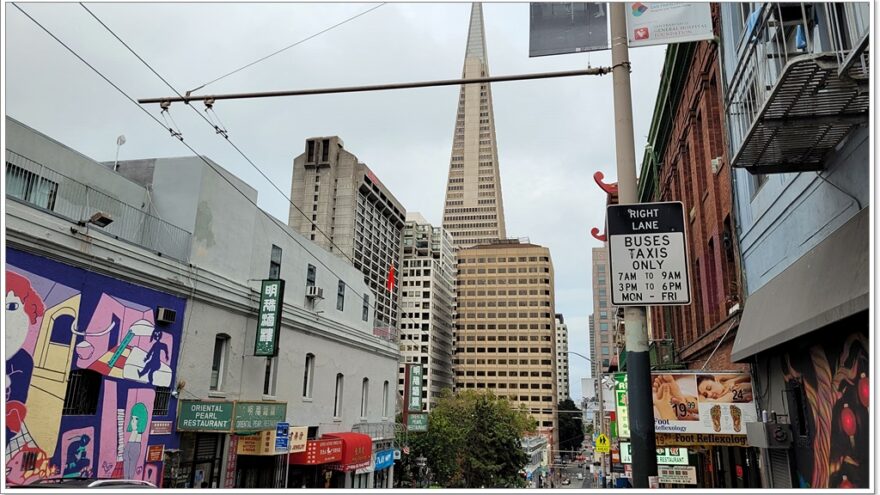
(571, 428)
(473, 441)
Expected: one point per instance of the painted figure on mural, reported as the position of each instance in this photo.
(833, 381)
(23, 310)
(137, 425)
(77, 462)
(153, 360)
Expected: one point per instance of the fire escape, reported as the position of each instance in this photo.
(800, 86)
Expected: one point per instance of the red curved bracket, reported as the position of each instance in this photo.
(608, 188)
(595, 233)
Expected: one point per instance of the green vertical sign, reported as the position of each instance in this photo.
(415, 388)
(269, 318)
(417, 422)
(620, 394)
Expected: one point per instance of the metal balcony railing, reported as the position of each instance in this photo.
(39, 186)
(800, 84)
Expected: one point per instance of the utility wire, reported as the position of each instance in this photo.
(225, 134)
(214, 126)
(196, 153)
(285, 48)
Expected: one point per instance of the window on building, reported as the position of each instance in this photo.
(161, 401)
(275, 263)
(311, 275)
(28, 186)
(603, 326)
(365, 397)
(269, 377)
(385, 399)
(605, 351)
(340, 296)
(308, 376)
(365, 310)
(757, 181)
(337, 396)
(218, 365)
(83, 389)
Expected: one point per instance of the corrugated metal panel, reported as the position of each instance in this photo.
(780, 471)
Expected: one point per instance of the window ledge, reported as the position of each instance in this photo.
(269, 397)
(307, 399)
(337, 420)
(218, 394)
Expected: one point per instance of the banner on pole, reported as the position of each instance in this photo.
(650, 23)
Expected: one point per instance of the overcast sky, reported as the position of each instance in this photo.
(552, 134)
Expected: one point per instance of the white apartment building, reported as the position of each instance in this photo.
(563, 389)
(427, 281)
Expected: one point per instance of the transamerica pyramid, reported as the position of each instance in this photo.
(473, 212)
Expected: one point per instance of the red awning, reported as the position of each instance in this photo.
(318, 452)
(357, 450)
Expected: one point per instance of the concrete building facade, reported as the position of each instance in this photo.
(802, 203)
(602, 349)
(340, 204)
(427, 281)
(562, 376)
(331, 377)
(505, 336)
(474, 210)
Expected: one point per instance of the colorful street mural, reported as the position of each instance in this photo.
(88, 369)
(835, 382)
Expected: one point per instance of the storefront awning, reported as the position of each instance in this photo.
(828, 283)
(357, 450)
(318, 452)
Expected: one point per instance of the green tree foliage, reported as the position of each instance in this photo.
(473, 440)
(571, 427)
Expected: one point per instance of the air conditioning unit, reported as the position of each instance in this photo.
(314, 292)
(165, 315)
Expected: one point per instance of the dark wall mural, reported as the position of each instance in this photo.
(89, 373)
(828, 400)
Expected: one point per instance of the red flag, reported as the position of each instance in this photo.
(389, 284)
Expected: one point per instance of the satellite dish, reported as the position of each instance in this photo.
(120, 140)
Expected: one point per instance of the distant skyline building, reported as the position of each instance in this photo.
(505, 327)
(427, 299)
(474, 212)
(562, 373)
(343, 198)
(602, 319)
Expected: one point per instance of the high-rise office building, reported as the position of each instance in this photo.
(474, 212)
(562, 375)
(340, 196)
(427, 298)
(505, 329)
(602, 319)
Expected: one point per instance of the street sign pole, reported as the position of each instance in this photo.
(638, 362)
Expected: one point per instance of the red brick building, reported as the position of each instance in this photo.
(686, 160)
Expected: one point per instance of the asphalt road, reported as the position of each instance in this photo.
(571, 470)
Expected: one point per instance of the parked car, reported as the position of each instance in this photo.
(580, 476)
(112, 484)
(566, 481)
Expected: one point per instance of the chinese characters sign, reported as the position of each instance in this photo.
(415, 388)
(620, 393)
(298, 438)
(417, 422)
(269, 318)
(256, 416)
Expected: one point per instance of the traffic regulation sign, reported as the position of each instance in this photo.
(648, 254)
(603, 445)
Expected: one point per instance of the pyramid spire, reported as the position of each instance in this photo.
(474, 212)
